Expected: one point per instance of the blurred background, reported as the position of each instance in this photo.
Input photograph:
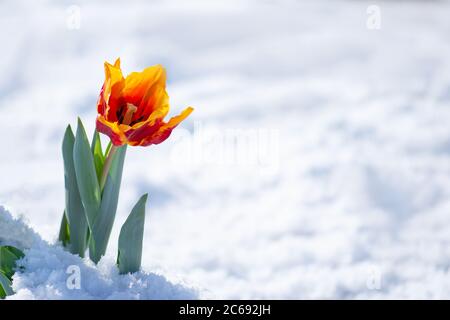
(316, 163)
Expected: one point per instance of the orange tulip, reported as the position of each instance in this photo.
(131, 110)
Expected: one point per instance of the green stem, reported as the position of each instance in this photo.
(107, 166)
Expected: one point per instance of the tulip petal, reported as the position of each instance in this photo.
(136, 136)
(146, 90)
(112, 89)
(111, 129)
(166, 129)
(156, 102)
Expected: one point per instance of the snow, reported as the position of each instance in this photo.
(338, 185)
(48, 272)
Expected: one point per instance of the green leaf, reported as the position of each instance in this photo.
(108, 147)
(86, 175)
(8, 257)
(18, 253)
(5, 286)
(102, 227)
(75, 215)
(97, 152)
(131, 238)
(64, 233)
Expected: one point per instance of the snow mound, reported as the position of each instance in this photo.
(15, 232)
(50, 272)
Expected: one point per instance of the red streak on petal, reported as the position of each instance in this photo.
(115, 137)
(136, 136)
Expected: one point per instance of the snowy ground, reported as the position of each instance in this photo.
(316, 163)
(50, 272)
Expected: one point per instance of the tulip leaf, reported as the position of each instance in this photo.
(8, 257)
(108, 147)
(75, 215)
(5, 286)
(97, 152)
(131, 237)
(18, 253)
(86, 175)
(64, 232)
(101, 230)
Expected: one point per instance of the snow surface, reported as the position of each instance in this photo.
(47, 270)
(343, 190)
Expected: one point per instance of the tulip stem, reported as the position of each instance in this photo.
(107, 166)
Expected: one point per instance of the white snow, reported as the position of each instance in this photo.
(48, 272)
(342, 189)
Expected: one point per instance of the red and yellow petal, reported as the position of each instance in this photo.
(112, 90)
(145, 88)
(156, 102)
(165, 130)
(112, 129)
(136, 136)
(101, 103)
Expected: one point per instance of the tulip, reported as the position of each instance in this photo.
(131, 111)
